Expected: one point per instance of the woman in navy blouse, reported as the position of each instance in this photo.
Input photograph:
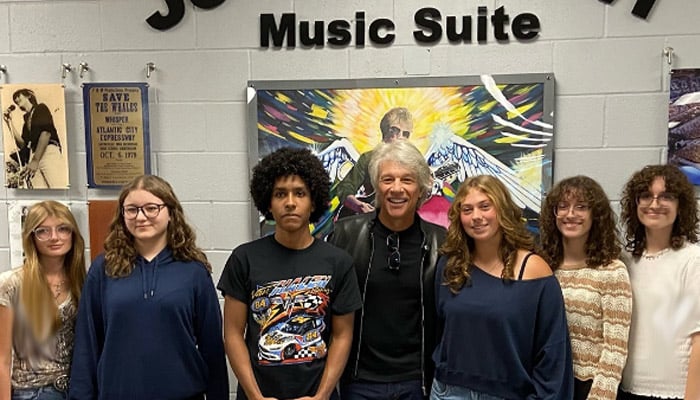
(503, 332)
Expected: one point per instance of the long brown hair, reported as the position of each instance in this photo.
(459, 247)
(685, 227)
(120, 249)
(35, 293)
(602, 245)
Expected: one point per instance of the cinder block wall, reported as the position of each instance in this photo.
(611, 83)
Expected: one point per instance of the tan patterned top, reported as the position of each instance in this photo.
(35, 363)
(598, 311)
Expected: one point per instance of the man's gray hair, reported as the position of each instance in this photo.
(407, 155)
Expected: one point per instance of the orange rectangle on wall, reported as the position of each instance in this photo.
(100, 213)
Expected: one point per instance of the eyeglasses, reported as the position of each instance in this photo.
(395, 131)
(394, 259)
(579, 209)
(148, 210)
(664, 199)
(44, 233)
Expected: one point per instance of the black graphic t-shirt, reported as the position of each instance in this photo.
(291, 296)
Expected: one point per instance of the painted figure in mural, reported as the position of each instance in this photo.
(500, 308)
(39, 153)
(149, 321)
(290, 298)
(38, 306)
(659, 211)
(356, 192)
(580, 241)
(395, 254)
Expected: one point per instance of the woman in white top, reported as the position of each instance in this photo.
(38, 306)
(659, 211)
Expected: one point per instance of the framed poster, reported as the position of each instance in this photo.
(34, 136)
(116, 132)
(684, 122)
(468, 125)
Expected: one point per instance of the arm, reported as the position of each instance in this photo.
(210, 343)
(41, 146)
(89, 339)
(617, 314)
(348, 187)
(6, 318)
(15, 134)
(341, 339)
(235, 316)
(692, 383)
(552, 373)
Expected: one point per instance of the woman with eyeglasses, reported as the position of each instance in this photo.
(500, 308)
(38, 306)
(149, 322)
(579, 240)
(659, 211)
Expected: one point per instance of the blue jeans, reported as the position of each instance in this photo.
(443, 391)
(40, 393)
(366, 390)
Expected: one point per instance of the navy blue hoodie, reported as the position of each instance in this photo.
(155, 334)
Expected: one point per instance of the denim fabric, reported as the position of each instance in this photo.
(41, 393)
(365, 390)
(442, 391)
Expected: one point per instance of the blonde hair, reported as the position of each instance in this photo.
(459, 247)
(35, 293)
(120, 249)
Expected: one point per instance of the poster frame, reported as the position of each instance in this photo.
(254, 86)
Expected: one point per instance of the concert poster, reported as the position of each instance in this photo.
(34, 136)
(490, 124)
(116, 133)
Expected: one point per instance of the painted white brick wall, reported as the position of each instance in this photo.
(611, 92)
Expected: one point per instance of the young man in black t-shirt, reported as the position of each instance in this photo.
(290, 299)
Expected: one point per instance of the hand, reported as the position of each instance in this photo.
(366, 207)
(33, 166)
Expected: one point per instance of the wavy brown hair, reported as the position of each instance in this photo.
(120, 250)
(36, 295)
(459, 246)
(685, 227)
(602, 245)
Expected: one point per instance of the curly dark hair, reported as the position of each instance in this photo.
(285, 162)
(459, 247)
(602, 244)
(120, 249)
(685, 227)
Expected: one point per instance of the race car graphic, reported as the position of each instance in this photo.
(297, 340)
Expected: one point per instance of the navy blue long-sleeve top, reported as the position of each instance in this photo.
(504, 338)
(155, 334)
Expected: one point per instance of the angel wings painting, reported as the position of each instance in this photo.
(488, 127)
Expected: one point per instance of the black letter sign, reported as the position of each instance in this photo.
(176, 11)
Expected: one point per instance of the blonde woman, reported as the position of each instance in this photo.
(500, 308)
(38, 306)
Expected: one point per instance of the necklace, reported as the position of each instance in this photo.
(572, 266)
(57, 289)
(654, 256)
